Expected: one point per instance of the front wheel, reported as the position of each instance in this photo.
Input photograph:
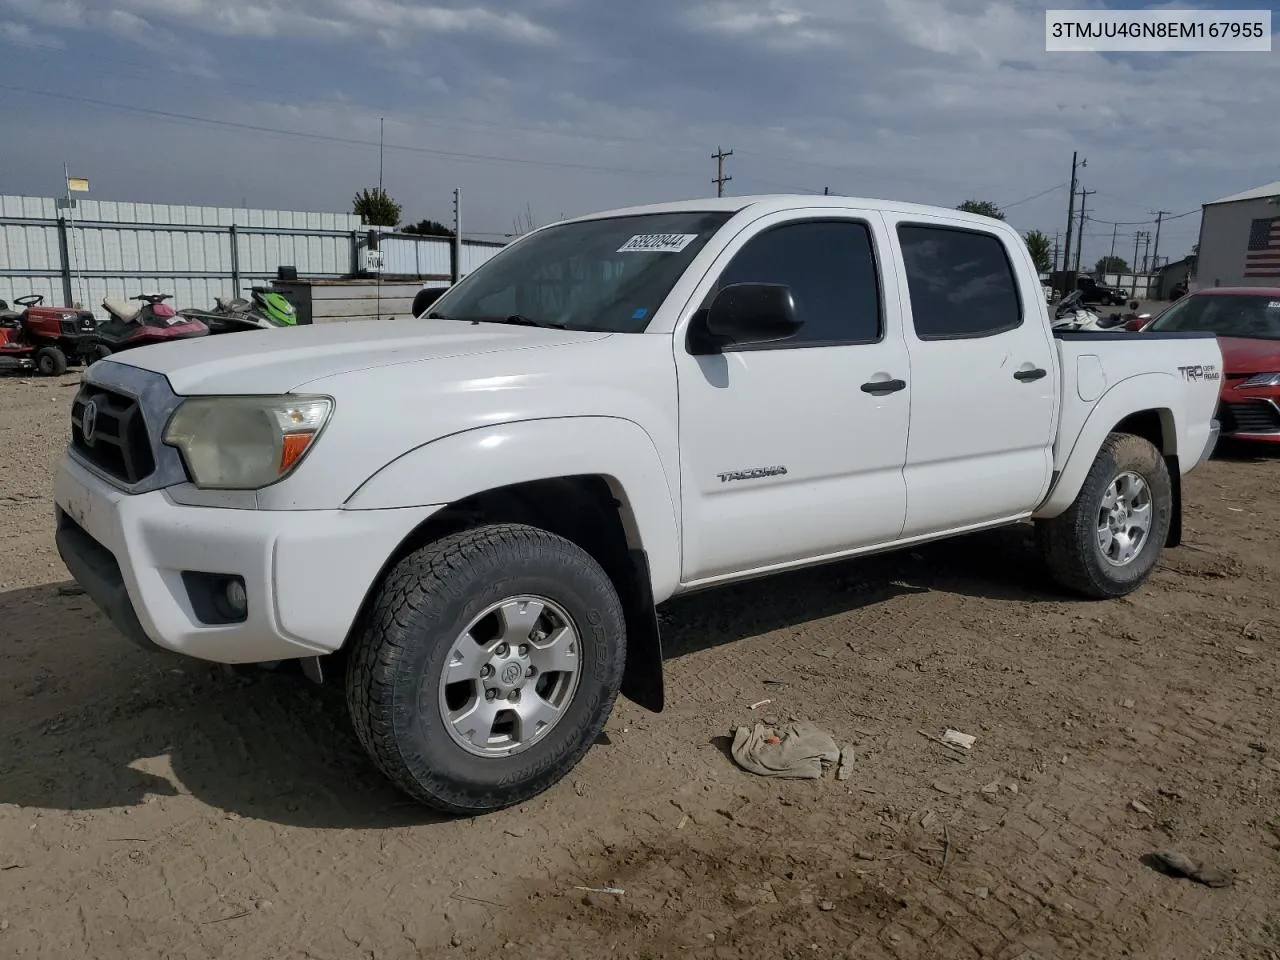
(51, 362)
(487, 665)
(1107, 543)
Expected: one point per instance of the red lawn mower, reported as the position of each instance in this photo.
(47, 339)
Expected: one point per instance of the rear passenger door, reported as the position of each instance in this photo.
(984, 383)
(793, 450)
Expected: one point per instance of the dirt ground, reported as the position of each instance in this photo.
(158, 808)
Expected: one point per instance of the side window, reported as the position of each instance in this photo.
(962, 284)
(831, 269)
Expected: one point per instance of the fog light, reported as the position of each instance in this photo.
(237, 599)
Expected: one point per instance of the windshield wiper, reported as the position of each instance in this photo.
(522, 321)
(518, 320)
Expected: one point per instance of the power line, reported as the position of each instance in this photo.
(346, 141)
(1036, 196)
(1141, 223)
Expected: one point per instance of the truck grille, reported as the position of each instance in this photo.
(117, 443)
(1258, 416)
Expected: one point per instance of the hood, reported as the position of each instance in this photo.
(282, 359)
(1247, 355)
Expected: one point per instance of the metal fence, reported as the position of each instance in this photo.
(105, 249)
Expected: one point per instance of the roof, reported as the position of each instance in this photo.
(775, 203)
(1257, 193)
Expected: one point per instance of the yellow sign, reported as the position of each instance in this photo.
(78, 184)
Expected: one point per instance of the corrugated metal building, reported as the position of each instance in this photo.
(1240, 240)
(107, 249)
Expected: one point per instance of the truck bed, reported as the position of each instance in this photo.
(1107, 376)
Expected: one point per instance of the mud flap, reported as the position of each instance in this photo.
(1174, 539)
(642, 681)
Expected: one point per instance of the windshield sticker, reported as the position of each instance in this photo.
(658, 243)
(640, 314)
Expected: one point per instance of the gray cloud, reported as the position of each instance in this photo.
(928, 100)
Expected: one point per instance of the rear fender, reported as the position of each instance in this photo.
(464, 464)
(1159, 392)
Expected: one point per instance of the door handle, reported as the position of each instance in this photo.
(1028, 375)
(880, 387)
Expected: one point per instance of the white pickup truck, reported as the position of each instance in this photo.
(477, 510)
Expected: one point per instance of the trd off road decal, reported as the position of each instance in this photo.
(1200, 372)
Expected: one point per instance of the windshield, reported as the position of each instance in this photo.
(608, 275)
(1227, 315)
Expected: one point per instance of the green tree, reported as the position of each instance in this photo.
(429, 228)
(984, 207)
(1041, 250)
(376, 208)
(1111, 265)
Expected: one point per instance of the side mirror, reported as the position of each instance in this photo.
(1137, 323)
(423, 300)
(745, 313)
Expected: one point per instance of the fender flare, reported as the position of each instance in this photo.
(460, 465)
(1146, 392)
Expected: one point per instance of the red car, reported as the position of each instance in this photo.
(1247, 322)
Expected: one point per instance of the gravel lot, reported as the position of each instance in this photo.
(157, 808)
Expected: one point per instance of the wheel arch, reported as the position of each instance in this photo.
(624, 516)
(1145, 406)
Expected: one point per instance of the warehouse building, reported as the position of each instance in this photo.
(1240, 240)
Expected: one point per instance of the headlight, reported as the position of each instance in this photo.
(1263, 380)
(244, 443)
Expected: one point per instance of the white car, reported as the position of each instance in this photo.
(478, 511)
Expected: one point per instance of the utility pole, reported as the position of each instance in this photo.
(1137, 239)
(1146, 249)
(1084, 197)
(1054, 266)
(1071, 210)
(456, 266)
(382, 127)
(721, 179)
(1155, 247)
(1112, 257)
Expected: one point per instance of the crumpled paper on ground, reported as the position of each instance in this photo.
(795, 751)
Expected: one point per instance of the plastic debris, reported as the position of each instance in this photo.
(1177, 864)
(957, 739)
(845, 770)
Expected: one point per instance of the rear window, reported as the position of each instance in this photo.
(1227, 315)
(961, 281)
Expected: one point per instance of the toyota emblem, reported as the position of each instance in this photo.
(89, 421)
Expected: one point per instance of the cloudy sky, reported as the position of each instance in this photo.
(564, 106)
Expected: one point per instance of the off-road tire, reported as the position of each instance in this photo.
(404, 639)
(50, 362)
(1069, 542)
(99, 351)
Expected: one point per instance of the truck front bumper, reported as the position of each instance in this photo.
(148, 563)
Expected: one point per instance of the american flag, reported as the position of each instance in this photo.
(1263, 258)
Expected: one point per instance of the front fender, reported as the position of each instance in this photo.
(463, 464)
(1159, 392)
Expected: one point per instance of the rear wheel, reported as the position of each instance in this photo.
(486, 667)
(1107, 543)
(50, 362)
(99, 351)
